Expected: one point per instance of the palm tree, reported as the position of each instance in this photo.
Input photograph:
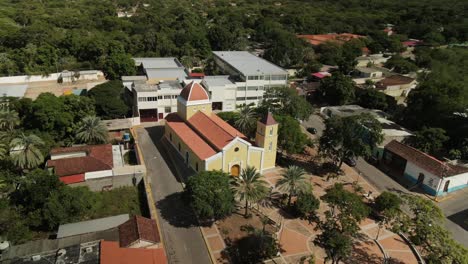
(249, 187)
(293, 180)
(246, 120)
(24, 151)
(92, 131)
(8, 119)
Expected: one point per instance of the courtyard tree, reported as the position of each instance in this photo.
(293, 181)
(25, 152)
(249, 187)
(92, 131)
(351, 136)
(337, 245)
(290, 136)
(337, 89)
(388, 205)
(246, 120)
(346, 207)
(210, 195)
(307, 205)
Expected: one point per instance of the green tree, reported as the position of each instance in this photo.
(337, 245)
(372, 99)
(118, 63)
(66, 205)
(307, 205)
(246, 120)
(210, 195)
(388, 206)
(400, 65)
(229, 117)
(293, 181)
(249, 187)
(348, 137)
(290, 136)
(346, 207)
(426, 231)
(109, 100)
(337, 89)
(285, 101)
(429, 140)
(9, 120)
(25, 152)
(92, 131)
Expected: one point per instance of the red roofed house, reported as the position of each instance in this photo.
(434, 176)
(139, 232)
(77, 164)
(396, 85)
(206, 142)
(316, 40)
(111, 253)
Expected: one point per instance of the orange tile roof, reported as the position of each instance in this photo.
(137, 228)
(189, 137)
(268, 119)
(424, 160)
(194, 92)
(322, 38)
(213, 129)
(111, 253)
(98, 158)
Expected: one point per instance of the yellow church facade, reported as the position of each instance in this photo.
(206, 142)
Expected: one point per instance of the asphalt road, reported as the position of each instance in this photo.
(182, 237)
(455, 208)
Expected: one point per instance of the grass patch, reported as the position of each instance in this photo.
(123, 200)
(130, 158)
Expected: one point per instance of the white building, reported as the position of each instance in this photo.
(162, 69)
(251, 75)
(154, 101)
(434, 176)
(222, 92)
(374, 59)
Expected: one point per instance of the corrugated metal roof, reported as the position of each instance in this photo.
(91, 226)
(249, 64)
(13, 90)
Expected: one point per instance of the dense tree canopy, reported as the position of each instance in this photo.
(348, 137)
(110, 100)
(210, 195)
(47, 36)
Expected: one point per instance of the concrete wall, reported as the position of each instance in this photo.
(50, 77)
(120, 178)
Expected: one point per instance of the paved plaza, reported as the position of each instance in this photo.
(296, 235)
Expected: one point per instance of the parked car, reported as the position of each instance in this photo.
(312, 130)
(350, 161)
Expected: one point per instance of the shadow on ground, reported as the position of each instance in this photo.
(361, 254)
(175, 211)
(460, 218)
(157, 136)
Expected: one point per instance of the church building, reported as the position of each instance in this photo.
(206, 142)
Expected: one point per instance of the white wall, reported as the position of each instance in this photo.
(456, 182)
(41, 78)
(68, 155)
(29, 78)
(430, 179)
(98, 174)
